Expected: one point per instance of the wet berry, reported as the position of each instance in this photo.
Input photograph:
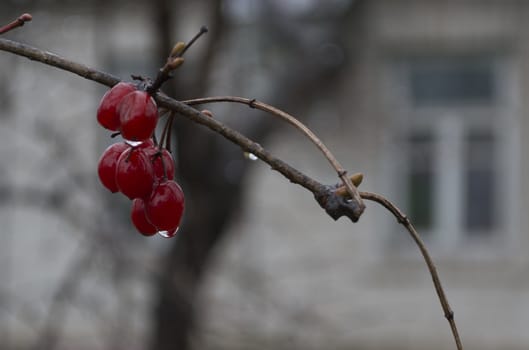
(138, 167)
(139, 219)
(134, 174)
(107, 112)
(165, 206)
(138, 115)
(106, 168)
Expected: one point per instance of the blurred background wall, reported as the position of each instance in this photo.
(426, 98)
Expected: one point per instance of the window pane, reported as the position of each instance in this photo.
(480, 211)
(420, 179)
(451, 81)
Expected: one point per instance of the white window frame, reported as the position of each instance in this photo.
(448, 237)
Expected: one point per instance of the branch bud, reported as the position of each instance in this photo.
(207, 112)
(356, 179)
(177, 49)
(175, 63)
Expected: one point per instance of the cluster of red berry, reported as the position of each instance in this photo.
(144, 172)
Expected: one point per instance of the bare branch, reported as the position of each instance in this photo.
(334, 205)
(57, 61)
(253, 103)
(405, 221)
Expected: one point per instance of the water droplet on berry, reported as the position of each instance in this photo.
(133, 143)
(250, 156)
(168, 234)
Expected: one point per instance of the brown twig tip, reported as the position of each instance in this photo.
(19, 22)
(26, 17)
(203, 30)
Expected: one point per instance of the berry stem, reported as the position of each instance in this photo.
(163, 136)
(166, 132)
(169, 131)
(19, 22)
(164, 168)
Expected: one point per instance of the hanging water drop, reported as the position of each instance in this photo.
(133, 143)
(250, 156)
(168, 234)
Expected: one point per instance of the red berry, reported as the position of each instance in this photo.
(139, 219)
(107, 112)
(138, 116)
(106, 168)
(134, 174)
(162, 162)
(165, 206)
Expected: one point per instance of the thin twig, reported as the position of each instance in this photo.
(253, 103)
(57, 61)
(163, 101)
(173, 62)
(203, 30)
(335, 205)
(405, 221)
(19, 22)
(245, 143)
(320, 191)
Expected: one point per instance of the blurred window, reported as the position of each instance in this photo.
(452, 81)
(420, 176)
(479, 182)
(450, 161)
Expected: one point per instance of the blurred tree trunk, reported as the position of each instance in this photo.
(211, 200)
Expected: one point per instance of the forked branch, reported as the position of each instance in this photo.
(253, 103)
(336, 206)
(330, 198)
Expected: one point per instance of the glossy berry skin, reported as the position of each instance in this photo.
(134, 174)
(138, 115)
(107, 112)
(157, 157)
(137, 215)
(165, 206)
(106, 168)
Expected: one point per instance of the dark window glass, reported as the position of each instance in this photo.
(451, 81)
(480, 182)
(420, 179)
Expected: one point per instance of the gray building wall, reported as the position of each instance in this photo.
(307, 280)
(288, 276)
